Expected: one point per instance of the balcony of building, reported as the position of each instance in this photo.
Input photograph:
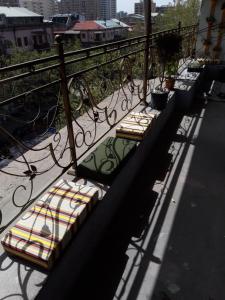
(157, 231)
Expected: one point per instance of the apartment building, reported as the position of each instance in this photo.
(113, 8)
(107, 9)
(24, 30)
(45, 8)
(91, 9)
(10, 3)
(68, 6)
(88, 8)
(139, 7)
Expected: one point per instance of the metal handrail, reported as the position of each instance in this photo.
(115, 72)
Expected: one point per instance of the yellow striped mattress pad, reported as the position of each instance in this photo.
(45, 230)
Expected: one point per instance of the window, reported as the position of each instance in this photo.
(83, 35)
(25, 41)
(97, 37)
(35, 40)
(19, 42)
(40, 39)
(8, 44)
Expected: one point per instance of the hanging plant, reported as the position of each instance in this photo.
(168, 45)
(210, 20)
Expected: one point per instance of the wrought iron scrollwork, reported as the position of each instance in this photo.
(103, 84)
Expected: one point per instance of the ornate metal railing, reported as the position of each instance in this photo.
(54, 109)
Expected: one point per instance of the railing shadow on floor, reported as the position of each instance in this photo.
(104, 270)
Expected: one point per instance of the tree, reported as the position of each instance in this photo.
(186, 12)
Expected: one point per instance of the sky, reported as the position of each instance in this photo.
(128, 5)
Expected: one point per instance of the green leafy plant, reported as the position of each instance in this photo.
(211, 19)
(168, 47)
(171, 68)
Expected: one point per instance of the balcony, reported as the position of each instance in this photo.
(138, 243)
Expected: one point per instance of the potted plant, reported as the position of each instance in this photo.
(171, 72)
(168, 49)
(196, 66)
(210, 20)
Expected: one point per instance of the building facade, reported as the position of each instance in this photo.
(87, 8)
(113, 9)
(68, 6)
(96, 32)
(139, 7)
(11, 3)
(62, 22)
(23, 30)
(107, 9)
(90, 9)
(45, 8)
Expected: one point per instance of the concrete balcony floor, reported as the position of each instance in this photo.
(168, 240)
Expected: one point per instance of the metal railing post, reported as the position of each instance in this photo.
(148, 32)
(66, 100)
(193, 42)
(179, 27)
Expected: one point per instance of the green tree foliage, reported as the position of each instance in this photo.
(17, 56)
(186, 12)
(102, 81)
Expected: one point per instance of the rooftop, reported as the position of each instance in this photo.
(99, 24)
(113, 23)
(17, 12)
(87, 25)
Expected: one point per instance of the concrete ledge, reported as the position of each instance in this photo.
(186, 86)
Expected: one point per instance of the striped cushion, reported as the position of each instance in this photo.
(134, 126)
(48, 226)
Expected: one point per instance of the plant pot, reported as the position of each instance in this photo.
(159, 99)
(169, 83)
(195, 67)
